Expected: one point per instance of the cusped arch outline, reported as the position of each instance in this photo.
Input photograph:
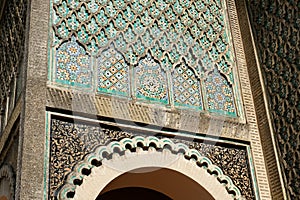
(134, 153)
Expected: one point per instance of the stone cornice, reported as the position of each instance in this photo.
(124, 109)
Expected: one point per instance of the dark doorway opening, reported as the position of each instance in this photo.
(155, 184)
(133, 193)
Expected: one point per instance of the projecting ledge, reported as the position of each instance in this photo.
(163, 116)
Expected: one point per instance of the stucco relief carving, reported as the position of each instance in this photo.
(172, 152)
(71, 142)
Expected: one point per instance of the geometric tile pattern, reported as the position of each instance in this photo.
(151, 38)
(73, 65)
(186, 87)
(113, 73)
(219, 94)
(173, 30)
(150, 80)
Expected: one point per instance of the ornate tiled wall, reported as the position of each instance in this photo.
(276, 26)
(168, 63)
(93, 51)
(175, 52)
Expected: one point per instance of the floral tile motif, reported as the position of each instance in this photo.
(150, 80)
(219, 94)
(73, 65)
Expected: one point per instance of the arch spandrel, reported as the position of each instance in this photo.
(94, 177)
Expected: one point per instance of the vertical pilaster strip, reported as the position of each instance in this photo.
(260, 103)
(32, 136)
(251, 115)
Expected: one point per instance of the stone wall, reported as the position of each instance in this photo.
(32, 138)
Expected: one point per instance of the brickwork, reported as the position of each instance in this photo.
(260, 108)
(251, 115)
